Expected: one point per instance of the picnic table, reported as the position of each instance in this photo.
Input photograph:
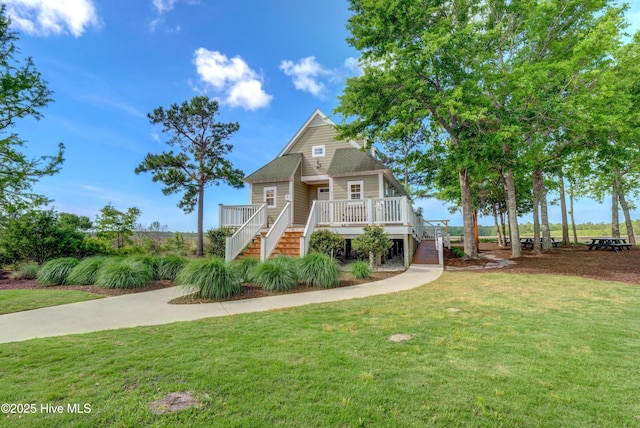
(613, 244)
(528, 242)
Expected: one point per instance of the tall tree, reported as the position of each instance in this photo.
(115, 225)
(23, 93)
(200, 162)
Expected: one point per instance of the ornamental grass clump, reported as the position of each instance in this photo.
(56, 271)
(210, 278)
(149, 260)
(85, 272)
(319, 270)
(360, 269)
(124, 273)
(26, 271)
(244, 267)
(169, 266)
(277, 274)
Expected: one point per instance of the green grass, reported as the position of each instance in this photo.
(169, 266)
(210, 278)
(319, 270)
(486, 350)
(124, 273)
(277, 274)
(26, 271)
(56, 271)
(26, 299)
(360, 269)
(84, 273)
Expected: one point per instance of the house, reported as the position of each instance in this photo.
(318, 182)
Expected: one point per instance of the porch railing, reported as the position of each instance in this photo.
(248, 230)
(370, 211)
(277, 229)
(235, 215)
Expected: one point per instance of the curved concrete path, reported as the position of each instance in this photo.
(152, 308)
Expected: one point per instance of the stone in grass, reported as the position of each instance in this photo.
(400, 337)
(174, 402)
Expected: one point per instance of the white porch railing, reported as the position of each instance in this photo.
(277, 229)
(235, 215)
(371, 211)
(248, 230)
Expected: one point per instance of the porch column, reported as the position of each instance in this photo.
(406, 250)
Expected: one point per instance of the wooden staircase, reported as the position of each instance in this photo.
(289, 245)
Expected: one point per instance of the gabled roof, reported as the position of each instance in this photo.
(347, 161)
(279, 169)
(317, 118)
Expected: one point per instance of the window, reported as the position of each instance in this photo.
(270, 197)
(317, 151)
(355, 189)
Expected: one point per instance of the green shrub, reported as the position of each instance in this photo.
(169, 266)
(244, 267)
(85, 272)
(217, 240)
(124, 273)
(374, 241)
(457, 251)
(319, 270)
(360, 269)
(26, 271)
(210, 278)
(326, 242)
(277, 274)
(152, 261)
(56, 271)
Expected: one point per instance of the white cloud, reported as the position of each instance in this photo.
(309, 75)
(233, 79)
(46, 17)
(305, 74)
(164, 5)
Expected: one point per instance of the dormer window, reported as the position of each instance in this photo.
(317, 151)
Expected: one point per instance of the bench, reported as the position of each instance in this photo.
(621, 247)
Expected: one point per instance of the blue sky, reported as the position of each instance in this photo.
(110, 62)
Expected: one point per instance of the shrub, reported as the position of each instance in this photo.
(374, 241)
(169, 266)
(150, 260)
(26, 271)
(56, 271)
(319, 270)
(210, 278)
(457, 251)
(217, 240)
(360, 269)
(244, 267)
(277, 274)
(326, 242)
(85, 272)
(124, 273)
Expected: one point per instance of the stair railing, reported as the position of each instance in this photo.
(270, 240)
(235, 244)
(308, 230)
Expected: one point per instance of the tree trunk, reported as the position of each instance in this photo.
(200, 248)
(512, 209)
(476, 235)
(573, 220)
(501, 241)
(470, 249)
(504, 228)
(563, 211)
(537, 196)
(615, 221)
(627, 218)
(544, 214)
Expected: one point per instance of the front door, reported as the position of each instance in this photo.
(323, 212)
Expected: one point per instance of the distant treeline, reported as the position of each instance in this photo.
(588, 228)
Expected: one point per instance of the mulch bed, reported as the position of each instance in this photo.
(623, 266)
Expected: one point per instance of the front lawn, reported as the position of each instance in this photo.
(489, 349)
(24, 299)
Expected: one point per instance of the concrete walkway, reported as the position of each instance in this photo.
(152, 308)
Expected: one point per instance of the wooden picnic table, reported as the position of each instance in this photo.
(613, 244)
(528, 242)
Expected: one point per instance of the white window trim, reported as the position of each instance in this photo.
(313, 151)
(275, 196)
(349, 194)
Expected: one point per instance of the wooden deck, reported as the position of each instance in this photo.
(426, 254)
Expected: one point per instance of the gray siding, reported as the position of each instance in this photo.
(300, 199)
(257, 197)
